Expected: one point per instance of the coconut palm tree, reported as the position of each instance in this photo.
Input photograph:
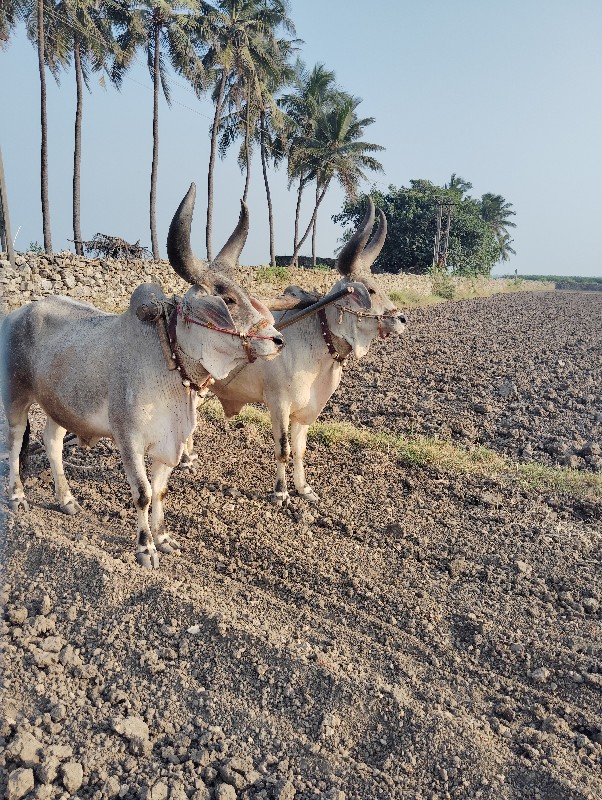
(506, 249)
(336, 150)
(44, 125)
(34, 14)
(78, 32)
(11, 13)
(458, 184)
(259, 121)
(160, 28)
(238, 36)
(314, 94)
(496, 212)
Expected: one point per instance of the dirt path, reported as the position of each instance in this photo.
(418, 635)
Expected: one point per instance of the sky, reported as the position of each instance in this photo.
(507, 96)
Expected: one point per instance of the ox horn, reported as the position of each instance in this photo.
(229, 254)
(179, 252)
(372, 250)
(354, 247)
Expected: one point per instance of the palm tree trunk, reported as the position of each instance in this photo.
(319, 199)
(315, 226)
(297, 214)
(5, 234)
(44, 148)
(155, 167)
(268, 194)
(214, 130)
(77, 153)
(248, 145)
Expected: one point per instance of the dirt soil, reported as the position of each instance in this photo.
(416, 635)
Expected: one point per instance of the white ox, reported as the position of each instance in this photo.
(105, 375)
(296, 386)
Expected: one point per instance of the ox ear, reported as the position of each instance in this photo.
(360, 295)
(213, 310)
(263, 310)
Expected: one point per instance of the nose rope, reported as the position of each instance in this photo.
(252, 333)
(175, 355)
(391, 313)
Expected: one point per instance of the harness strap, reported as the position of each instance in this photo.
(390, 314)
(245, 338)
(327, 336)
(173, 344)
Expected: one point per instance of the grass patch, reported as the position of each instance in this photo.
(272, 274)
(413, 298)
(437, 454)
(443, 284)
(576, 279)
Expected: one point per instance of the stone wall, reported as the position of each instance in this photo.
(304, 261)
(108, 283)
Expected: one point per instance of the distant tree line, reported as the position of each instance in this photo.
(479, 235)
(241, 52)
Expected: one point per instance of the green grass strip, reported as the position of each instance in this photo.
(440, 454)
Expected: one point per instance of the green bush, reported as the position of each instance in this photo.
(272, 274)
(443, 285)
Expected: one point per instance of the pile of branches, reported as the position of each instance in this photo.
(103, 246)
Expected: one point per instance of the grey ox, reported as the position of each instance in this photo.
(112, 375)
(296, 386)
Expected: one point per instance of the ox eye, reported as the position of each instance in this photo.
(229, 301)
(371, 291)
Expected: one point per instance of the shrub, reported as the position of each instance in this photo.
(443, 285)
(271, 274)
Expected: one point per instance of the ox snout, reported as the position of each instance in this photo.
(269, 346)
(392, 326)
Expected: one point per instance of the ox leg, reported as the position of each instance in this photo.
(133, 462)
(53, 442)
(16, 431)
(159, 476)
(189, 457)
(280, 420)
(299, 442)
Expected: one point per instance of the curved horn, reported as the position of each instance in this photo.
(372, 250)
(179, 252)
(230, 252)
(353, 249)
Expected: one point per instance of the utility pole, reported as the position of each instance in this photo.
(6, 241)
(443, 219)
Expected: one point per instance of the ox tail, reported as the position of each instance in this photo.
(24, 452)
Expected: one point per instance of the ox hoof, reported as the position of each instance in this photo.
(189, 461)
(309, 495)
(280, 499)
(18, 503)
(168, 546)
(148, 560)
(71, 508)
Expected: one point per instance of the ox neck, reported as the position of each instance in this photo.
(338, 347)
